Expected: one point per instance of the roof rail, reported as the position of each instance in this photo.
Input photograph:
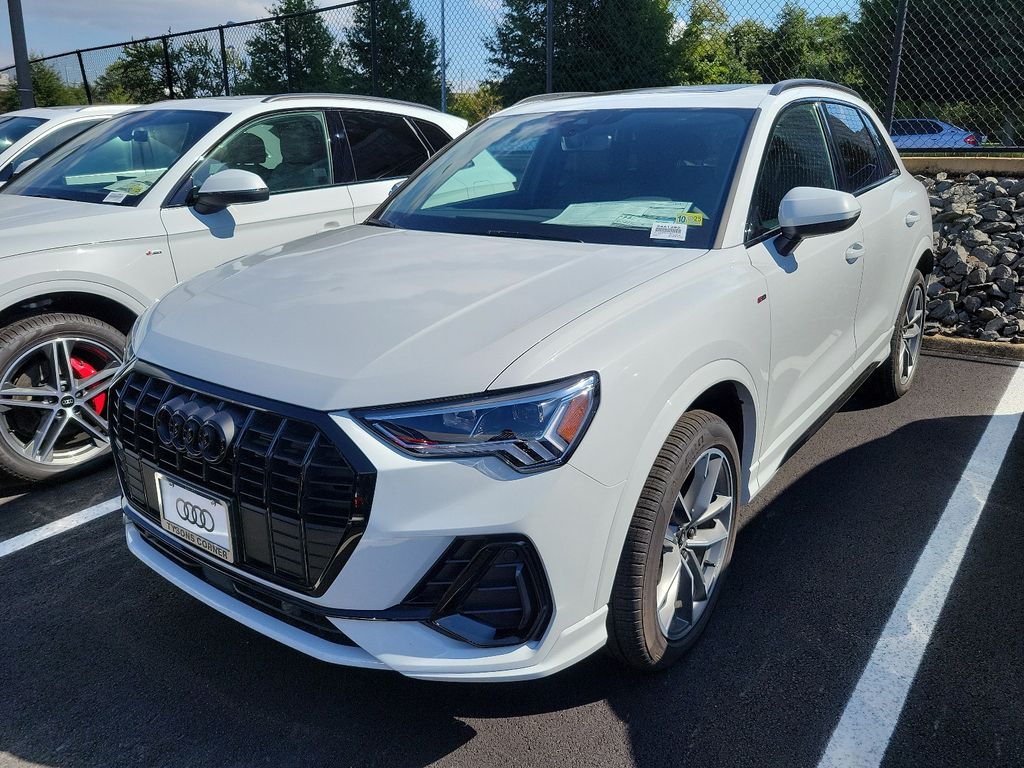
(288, 96)
(786, 85)
(552, 96)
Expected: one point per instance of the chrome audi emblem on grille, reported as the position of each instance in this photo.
(193, 513)
(195, 428)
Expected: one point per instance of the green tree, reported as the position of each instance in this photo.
(310, 55)
(138, 76)
(197, 69)
(48, 87)
(474, 106)
(748, 40)
(598, 45)
(407, 53)
(806, 46)
(703, 51)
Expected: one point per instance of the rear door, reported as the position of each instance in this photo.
(296, 154)
(812, 292)
(870, 173)
(385, 149)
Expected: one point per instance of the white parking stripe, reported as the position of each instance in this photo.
(873, 710)
(15, 543)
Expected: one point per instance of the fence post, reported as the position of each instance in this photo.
(894, 69)
(23, 69)
(168, 71)
(374, 80)
(549, 48)
(224, 63)
(287, 56)
(444, 66)
(85, 79)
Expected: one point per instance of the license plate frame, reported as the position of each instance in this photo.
(195, 517)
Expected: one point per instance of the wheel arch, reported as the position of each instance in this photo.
(723, 387)
(120, 311)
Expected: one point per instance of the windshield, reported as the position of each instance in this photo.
(120, 161)
(13, 129)
(655, 177)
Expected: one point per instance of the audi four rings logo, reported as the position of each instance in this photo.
(193, 513)
(196, 428)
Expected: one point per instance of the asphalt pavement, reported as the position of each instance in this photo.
(102, 663)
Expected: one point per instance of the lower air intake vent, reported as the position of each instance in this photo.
(487, 592)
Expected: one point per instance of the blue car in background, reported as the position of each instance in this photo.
(929, 133)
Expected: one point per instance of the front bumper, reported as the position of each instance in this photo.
(419, 508)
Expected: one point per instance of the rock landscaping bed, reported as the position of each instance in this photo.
(977, 291)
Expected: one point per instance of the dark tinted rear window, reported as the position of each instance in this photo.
(383, 146)
(858, 154)
(436, 136)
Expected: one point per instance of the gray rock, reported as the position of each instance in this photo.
(942, 309)
(972, 304)
(996, 324)
(977, 277)
(986, 254)
(988, 336)
(1006, 285)
(988, 313)
(994, 214)
(972, 238)
(1000, 272)
(934, 289)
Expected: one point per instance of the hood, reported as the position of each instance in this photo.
(30, 224)
(368, 316)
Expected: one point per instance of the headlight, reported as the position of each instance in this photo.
(530, 428)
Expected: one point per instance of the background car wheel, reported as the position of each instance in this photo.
(895, 376)
(678, 546)
(54, 374)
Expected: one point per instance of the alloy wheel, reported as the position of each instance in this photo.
(53, 401)
(911, 333)
(696, 543)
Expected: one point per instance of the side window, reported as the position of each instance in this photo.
(384, 146)
(796, 156)
(435, 136)
(885, 158)
(288, 151)
(933, 128)
(858, 154)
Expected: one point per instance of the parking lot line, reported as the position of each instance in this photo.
(873, 710)
(27, 539)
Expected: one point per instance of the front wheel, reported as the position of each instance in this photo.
(678, 546)
(55, 370)
(895, 376)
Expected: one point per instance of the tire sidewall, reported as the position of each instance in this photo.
(27, 333)
(661, 649)
(896, 347)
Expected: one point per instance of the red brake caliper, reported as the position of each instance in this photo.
(83, 371)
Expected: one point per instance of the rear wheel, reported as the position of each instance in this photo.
(895, 376)
(678, 547)
(55, 370)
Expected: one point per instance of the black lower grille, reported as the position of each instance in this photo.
(290, 612)
(298, 490)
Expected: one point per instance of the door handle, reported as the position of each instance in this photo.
(854, 252)
(912, 218)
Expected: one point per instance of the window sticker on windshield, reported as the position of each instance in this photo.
(627, 214)
(129, 186)
(668, 230)
(114, 197)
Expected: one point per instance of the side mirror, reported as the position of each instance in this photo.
(230, 187)
(809, 211)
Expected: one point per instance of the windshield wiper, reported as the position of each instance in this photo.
(529, 236)
(381, 223)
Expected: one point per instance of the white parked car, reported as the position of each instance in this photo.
(28, 134)
(98, 229)
(481, 438)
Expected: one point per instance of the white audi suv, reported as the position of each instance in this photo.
(510, 419)
(98, 229)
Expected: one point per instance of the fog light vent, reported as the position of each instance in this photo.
(487, 592)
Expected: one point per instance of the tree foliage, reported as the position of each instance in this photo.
(474, 106)
(702, 52)
(49, 89)
(598, 46)
(407, 60)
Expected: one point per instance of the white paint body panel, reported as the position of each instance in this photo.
(370, 316)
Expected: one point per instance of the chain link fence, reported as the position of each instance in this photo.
(946, 75)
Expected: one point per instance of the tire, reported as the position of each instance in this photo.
(88, 352)
(640, 634)
(894, 378)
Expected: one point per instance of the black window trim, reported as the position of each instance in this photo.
(834, 148)
(172, 201)
(409, 124)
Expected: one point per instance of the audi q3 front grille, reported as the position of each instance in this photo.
(299, 491)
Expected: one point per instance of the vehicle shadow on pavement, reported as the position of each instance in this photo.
(137, 673)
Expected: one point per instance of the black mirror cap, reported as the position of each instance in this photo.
(791, 237)
(211, 202)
